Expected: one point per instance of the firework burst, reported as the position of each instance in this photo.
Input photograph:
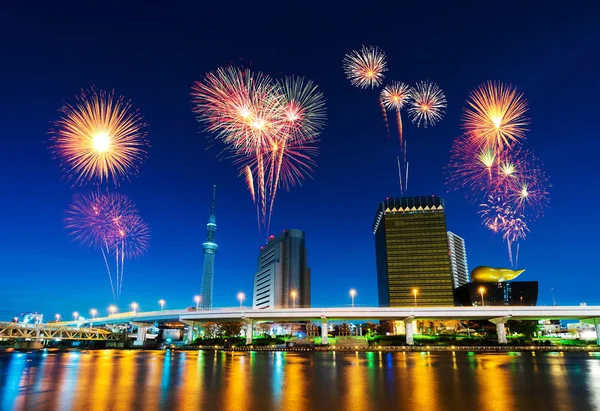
(495, 116)
(365, 68)
(269, 127)
(99, 138)
(427, 105)
(109, 222)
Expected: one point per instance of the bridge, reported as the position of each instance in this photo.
(498, 315)
(39, 332)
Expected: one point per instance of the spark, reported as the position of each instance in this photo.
(99, 139)
(365, 68)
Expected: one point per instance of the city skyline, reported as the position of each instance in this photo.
(356, 170)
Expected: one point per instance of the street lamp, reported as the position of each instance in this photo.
(197, 299)
(75, 315)
(352, 294)
(112, 309)
(241, 297)
(415, 294)
(57, 317)
(135, 307)
(293, 293)
(482, 291)
(162, 305)
(93, 312)
(553, 298)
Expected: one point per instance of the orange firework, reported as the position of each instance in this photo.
(99, 138)
(365, 67)
(427, 104)
(393, 97)
(495, 116)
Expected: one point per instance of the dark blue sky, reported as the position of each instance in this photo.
(152, 55)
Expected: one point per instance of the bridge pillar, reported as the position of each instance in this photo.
(141, 336)
(190, 335)
(249, 330)
(500, 330)
(597, 326)
(324, 331)
(408, 326)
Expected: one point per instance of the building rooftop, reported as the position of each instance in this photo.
(423, 204)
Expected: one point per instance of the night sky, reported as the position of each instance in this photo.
(153, 54)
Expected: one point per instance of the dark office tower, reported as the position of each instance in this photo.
(458, 259)
(411, 245)
(282, 279)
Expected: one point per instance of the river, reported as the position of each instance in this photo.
(191, 380)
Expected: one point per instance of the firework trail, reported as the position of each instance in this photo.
(427, 104)
(395, 96)
(365, 68)
(269, 127)
(109, 222)
(495, 116)
(99, 138)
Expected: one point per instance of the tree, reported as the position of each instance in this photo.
(525, 327)
(210, 329)
(230, 329)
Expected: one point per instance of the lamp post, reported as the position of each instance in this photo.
(197, 299)
(135, 307)
(352, 295)
(293, 293)
(75, 315)
(241, 297)
(93, 312)
(162, 305)
(415, 294)
(112, 309)
(482, 291)
(553, 299)
(57, 317)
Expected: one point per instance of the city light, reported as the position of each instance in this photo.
(135, 307)
(293, 293)
(415, 294)
(241, 297)
(112, 309)
(75, 315)
(482, 291)
(93, 312)
(197, 299)
(352, 295)
(162, 305)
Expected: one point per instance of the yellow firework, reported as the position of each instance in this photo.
(365, 67)
(495, 116)
(99, 138)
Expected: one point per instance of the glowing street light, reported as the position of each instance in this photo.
(75, 315)
(241, 297)
(197, 299)
(293, 294)
(482, 291)
(93, 312)
(57, 317)
(135, 307)
(352, 294)
(112, 309)
(162, 305)
(415, 294)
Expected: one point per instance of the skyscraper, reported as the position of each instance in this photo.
(411, 246)
(458, 260)
(209, 247)
(282, 277)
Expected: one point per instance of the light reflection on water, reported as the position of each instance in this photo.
(189, 380)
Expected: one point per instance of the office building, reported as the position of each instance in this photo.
(458, 260)
(209, 247)
(411, 246)
(282, 279)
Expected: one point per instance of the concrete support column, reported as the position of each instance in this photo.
(249, 329)
(597, 326)
(500, 331)
(190, 334)
(408, 326)
(141, 336)
(324, 331)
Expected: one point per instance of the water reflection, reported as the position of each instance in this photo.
(124, 380)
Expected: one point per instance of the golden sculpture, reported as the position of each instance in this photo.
(485, 274)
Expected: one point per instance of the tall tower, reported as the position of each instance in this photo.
(209, 247)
